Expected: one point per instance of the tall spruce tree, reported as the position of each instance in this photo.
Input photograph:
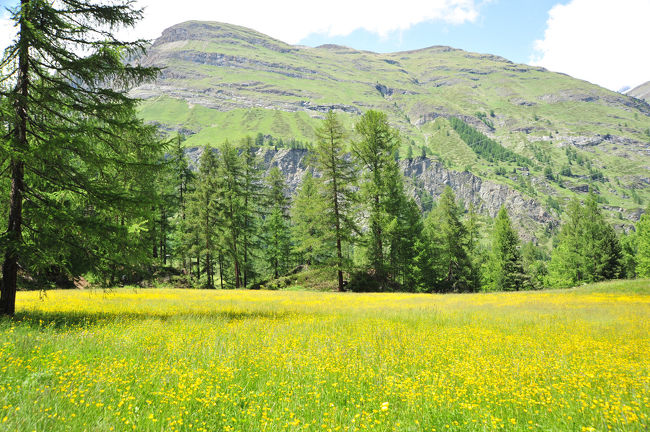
(68, 113)
(374, 153)
(506, 265)
(336, 186)
(588, 249)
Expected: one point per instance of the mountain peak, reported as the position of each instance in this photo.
(215, 32)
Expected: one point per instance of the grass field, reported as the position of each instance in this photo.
(165, 360)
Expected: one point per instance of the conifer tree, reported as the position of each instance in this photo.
(252, 195)
(588, 248)
(374, 153)
(643, 245)
(276, 224)
(202, 212)
(68, 114)
(474, 252)
(448, 236)
(232, 208)
(310, 242)
(336, 186)
(506, 265)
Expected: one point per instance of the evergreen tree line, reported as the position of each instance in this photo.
(237, 227)
(483, 146)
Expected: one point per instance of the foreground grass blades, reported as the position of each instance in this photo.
(127, 359)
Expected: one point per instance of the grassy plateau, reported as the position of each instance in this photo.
(168, 360)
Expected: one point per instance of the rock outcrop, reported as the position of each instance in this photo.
(431, 177)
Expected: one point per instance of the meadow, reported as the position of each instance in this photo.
(186, 360)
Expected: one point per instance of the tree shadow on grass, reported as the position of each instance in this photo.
(73, 319)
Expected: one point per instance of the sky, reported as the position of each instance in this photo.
(605, 42)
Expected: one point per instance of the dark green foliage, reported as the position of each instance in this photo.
(312, 241)
(643, 245)
(374, 154)
(483, 146)
(506, 265)
(566, 171)
(450, 268)
(535, 260)
(548, 173)
(276, 229)
(80, 160)
(588, 249)
(202, 214)
(336, 188)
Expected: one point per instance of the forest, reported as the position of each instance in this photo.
(90, 191)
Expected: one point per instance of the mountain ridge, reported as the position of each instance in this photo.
(222, 81)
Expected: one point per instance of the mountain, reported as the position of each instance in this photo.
(641, 92)
(221, 81)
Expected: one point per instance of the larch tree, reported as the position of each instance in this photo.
(311, 243)
(252, 196)
(66, 82)
(277, 231)
(232, 208)
(203, 211)
(643, 245)
(336, 186)
(374, 153)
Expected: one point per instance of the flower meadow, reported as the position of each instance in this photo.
(197, 360)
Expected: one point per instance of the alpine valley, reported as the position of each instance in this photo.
(224, 82)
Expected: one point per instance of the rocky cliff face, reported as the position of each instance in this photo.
(431, 177)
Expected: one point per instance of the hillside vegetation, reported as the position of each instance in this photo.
(222, 81)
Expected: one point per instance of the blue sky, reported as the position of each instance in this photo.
(601, 41)
(508, 28)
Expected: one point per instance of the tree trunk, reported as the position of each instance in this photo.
(17, 167)
(14, 235)
(221, 270)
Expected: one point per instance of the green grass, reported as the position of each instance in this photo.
(158, 359)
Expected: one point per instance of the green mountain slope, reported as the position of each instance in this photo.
(224, 82)
(641, 92)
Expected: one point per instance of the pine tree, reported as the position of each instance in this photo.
(375, 155)
(68, 149)
(506, 265)
(335, 185)
(643, 245)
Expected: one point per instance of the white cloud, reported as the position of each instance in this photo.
(600, 41)
(293, 20)
(7, 31)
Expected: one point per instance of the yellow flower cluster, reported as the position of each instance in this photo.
(185, 360)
